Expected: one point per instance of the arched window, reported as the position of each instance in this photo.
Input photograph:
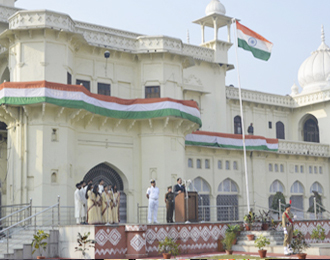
(276, 186)
(280, 134)
(199, 164)
(53, 178)
(190, 163)
(203, 188)
(227, 201)
(297, 199)
(237, 125)
(5, 76)
(316, 187)
(311, 130)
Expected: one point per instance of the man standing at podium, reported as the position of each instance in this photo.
(178, 188)
(152, 195)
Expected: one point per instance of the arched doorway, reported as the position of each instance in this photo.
(297, 199)
(237, 125)
(227, 201)
(5, 76)
(310, 129)
(280, 133)
(110, 176)
(203, 188)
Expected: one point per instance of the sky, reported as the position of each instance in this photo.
(293, 26)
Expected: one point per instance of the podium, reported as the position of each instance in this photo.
(181, 214)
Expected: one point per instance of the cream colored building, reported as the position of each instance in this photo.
(52, 146)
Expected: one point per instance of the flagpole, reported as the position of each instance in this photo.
(242, 119)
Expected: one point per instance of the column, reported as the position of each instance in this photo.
(203, 33)
(215, 26)
(228, 28)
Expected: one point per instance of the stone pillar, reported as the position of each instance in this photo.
(228, 28)
(215, 25)
(203, 33)
(136, 241)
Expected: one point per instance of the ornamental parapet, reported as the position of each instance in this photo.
(6, 12)
(103, 36)
(303, 148)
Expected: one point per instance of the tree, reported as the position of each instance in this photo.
(278, 196)
(319, 205)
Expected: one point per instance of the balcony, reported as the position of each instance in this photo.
(303, 148)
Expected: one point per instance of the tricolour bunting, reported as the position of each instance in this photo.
(231, 141)
(78, 97)
(251, 41)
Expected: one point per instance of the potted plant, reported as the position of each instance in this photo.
(250, 237)
(84, 243)
(39, 243)
(261, 242)
(168, 248)
(236, 229)
(228, 242)
(248, 220)
(318, 234)
(299, 244)
(265, 219)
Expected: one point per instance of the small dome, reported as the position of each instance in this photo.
(294, 90)
(215, 7)
(314, 73)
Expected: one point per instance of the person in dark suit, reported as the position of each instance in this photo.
(178, 188)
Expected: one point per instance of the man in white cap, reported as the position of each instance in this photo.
(152, 195)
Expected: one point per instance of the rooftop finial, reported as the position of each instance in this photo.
(322, 34)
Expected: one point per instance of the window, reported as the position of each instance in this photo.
(228, 185)
(207, 164)
(228, 201)
(85, 83)
(235, 167)
(68, 79)
(296, 168)
(297, 187)
(103, 89)
(315, 169)
(219, 164)
(316, 187)
(190, 163)
(53, 178)
(320, 170)
(311, 130)
(152, 92)
(301, 169)
(310, 169)
(237, 125)
(199, 164)
(282, 168)
(227, 165)
(276, 167)
(270, 125)
(270, 167)
(276, 186)
(280, 133)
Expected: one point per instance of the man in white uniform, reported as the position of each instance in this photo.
(84, 200)
(152, 195)
(101, 188)
(78, 204)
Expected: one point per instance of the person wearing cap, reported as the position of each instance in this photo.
(287, 224)
(169, 200)
(152, 195)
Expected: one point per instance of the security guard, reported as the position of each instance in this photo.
(152, 195)
(287, 224)
(169, 200)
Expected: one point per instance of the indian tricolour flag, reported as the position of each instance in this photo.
(251, 41)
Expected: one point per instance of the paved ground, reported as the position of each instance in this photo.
(244, 255)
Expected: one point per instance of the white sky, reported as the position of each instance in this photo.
(294, 26)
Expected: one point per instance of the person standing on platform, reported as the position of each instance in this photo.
(250, 129)
(169, 200)
(107, 206)
(78, 204)
(101, 188)
(94, 206)
(178, 188)
(287, 224)
(116, 204)
(152, 195)
(84, 201)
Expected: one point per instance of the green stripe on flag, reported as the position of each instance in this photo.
(257, 53)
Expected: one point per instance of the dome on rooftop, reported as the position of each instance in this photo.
(215, 7)
(314, 73)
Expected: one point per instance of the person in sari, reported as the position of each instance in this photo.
(107, 204)
(116, 202)
(94, 205)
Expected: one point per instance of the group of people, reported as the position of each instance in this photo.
(153, 196)
(96, 204)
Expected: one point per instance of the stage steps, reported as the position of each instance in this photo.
(20, 244)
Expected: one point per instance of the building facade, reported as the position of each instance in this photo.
(69, 113)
